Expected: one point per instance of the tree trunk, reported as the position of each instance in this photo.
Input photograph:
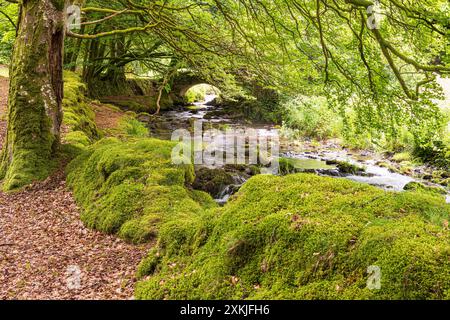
(35, 94)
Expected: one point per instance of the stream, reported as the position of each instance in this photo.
(304, 157)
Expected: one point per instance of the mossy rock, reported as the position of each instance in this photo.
(131, 187)
(293, 165)
(420, 187)
(348, 168)
(212, 181)
(387, 165)
(308, 237)
(78, 114)
(139, 104)
(286, 166)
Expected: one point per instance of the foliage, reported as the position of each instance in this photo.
(382, 78)
(308, 237)
(8, 17)
(311, 117)
(196, 94)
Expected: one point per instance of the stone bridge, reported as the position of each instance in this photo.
(182, 82)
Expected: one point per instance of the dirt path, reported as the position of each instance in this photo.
(47, 253)
(106, 117)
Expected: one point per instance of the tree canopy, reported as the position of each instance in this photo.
(381, 57)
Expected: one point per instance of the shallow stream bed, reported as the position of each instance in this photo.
(305, 159)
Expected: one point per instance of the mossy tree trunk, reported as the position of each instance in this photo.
(35, 94)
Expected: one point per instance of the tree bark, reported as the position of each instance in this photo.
(35, 94)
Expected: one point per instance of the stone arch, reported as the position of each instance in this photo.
(182, 82)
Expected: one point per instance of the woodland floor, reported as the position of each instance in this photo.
(43, 243)
(106, 118)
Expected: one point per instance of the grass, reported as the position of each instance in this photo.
(402, 157)
(132, 127)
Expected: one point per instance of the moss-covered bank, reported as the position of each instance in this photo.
(306, 237)
(294, 237)
(79, 118)
(132, 188)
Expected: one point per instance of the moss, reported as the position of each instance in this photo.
(138, 103)
(254, 170)
(406, 168)
(131, 187)
(420, 187)
(149, 264)
(26, 167)
(132, 106)
(78, 139)
(386, 165)
(348, 168)
(31, 143)
(286, 166)
(78, 115)
(444, 182)
(291, 165)
(203, 198)
(306, 237)
(59, 4)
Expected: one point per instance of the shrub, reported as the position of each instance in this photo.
(311, 117)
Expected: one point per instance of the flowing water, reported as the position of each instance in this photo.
(309, 160)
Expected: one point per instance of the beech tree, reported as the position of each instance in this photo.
(36, 93)
(36, 77)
